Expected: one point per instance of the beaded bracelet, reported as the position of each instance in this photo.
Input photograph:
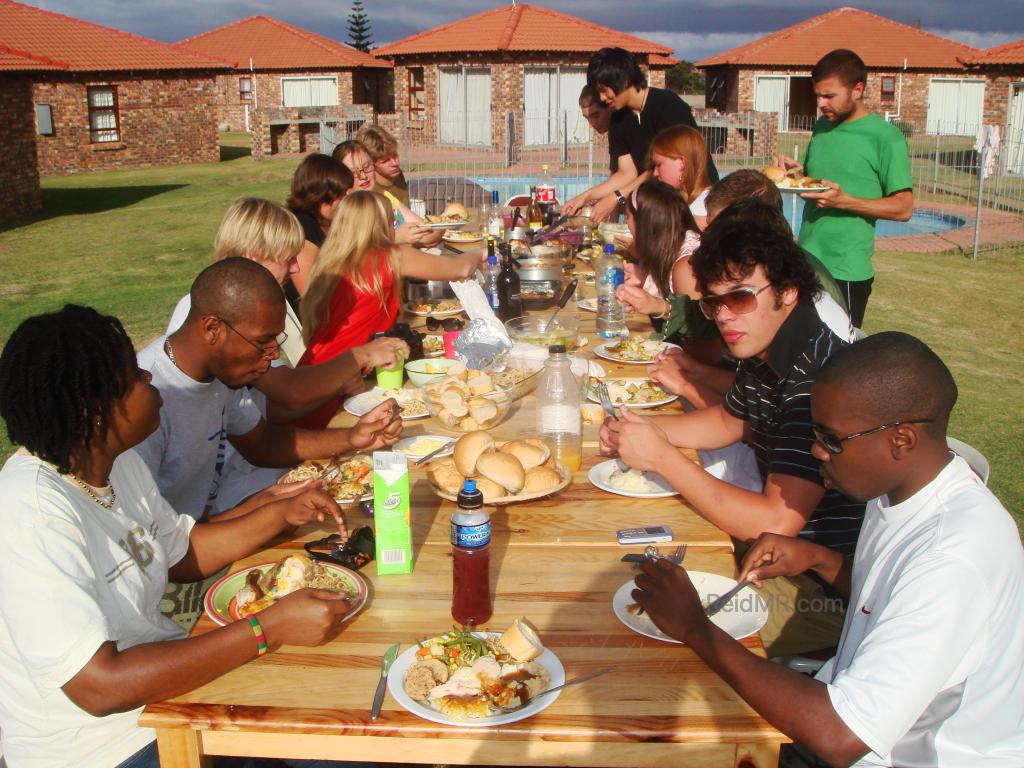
(261, 639)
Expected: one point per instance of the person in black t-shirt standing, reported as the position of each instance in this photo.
(640, 112)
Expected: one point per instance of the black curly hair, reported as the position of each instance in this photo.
(60, 375)
(747, 234)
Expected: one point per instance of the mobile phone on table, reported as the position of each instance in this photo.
(649, 534)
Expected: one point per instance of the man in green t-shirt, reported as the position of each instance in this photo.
(863, 160)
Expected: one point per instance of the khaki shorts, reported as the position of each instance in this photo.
(802, 617)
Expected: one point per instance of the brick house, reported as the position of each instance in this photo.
(1003, 69)
(109, 99)
(913, 76)
(461, 81)
(19, 167)
(278, 66)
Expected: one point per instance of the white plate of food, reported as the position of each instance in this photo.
(274, 581)
(433, 345)
(615, 477)
(421, 445)
(632, 393)
(588, 304)
(473, 708)
(454, 236)
(409, 401)
(741, 617)
(818, 188)
(636, 350)
(438, 308)
(346, 481)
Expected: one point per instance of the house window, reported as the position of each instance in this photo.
(417, 100)
(44, 119)
(104, 125)
(309, 91)
(888, 89)
(245, 88)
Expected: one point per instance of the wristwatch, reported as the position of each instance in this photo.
(618, 196)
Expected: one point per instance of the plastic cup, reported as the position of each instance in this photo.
(393, 376)
(449, 338)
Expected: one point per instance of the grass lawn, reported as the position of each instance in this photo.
(130, 242)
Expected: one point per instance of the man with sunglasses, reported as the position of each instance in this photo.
(759, 291)
(930, 666)
(234, 330)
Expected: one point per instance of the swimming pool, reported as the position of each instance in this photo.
(566, 187)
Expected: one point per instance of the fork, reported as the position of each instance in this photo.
(606, 400)
(676, 558)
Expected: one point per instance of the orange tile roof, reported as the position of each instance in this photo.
(73, 45)
(519, 27)
(272, 44)
(1010, 53)
(22, 61)
(656, 60)
(881, 42)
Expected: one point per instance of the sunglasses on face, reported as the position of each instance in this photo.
(446, 323)
(834, 445)
(741, 301)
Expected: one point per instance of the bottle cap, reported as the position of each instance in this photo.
(609, 248)
(494, 196)
(469, 497)
(556, 349)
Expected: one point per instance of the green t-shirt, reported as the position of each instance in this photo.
(866, 158)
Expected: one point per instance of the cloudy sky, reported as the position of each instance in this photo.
(694, 28)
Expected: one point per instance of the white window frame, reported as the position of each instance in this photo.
(464, 70)
(555, 120)
(308, 78)
(955, 79)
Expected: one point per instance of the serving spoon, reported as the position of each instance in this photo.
(570, 289)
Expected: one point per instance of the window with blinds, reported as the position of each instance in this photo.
(104, 125)
(309, 91)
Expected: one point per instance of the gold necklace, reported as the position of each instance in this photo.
(92, 494)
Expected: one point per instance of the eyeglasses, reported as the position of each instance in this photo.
(269, 352)
(447, 323)
(741, 301)
(834, 445)
(364, 170)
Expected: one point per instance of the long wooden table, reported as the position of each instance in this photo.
(554, 561)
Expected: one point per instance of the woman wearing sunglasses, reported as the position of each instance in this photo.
(88, 547)
(355, 285)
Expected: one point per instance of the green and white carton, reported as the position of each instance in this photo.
(391, 512)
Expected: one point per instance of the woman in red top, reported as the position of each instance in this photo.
(355, 284)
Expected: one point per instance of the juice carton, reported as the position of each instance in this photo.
(391, 512)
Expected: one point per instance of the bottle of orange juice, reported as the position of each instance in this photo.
(558, 409)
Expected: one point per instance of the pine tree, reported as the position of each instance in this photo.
(360, 34)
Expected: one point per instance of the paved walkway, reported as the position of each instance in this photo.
(996, 227)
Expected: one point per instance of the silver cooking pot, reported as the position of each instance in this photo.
(427, 290)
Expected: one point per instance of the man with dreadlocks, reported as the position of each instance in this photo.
(89, 543)
(233, 331)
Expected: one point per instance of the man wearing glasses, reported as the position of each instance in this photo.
(759, 290)
(234, 330)
(929, 670)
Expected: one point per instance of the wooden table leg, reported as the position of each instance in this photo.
(764, 754)
(181, 748)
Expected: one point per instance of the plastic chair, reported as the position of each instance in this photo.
(972, 456)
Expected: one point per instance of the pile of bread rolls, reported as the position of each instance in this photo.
(517, 467)
(465, 399)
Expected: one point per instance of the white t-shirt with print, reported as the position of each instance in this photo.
(930, 665)
(187, 453)
(73, 576)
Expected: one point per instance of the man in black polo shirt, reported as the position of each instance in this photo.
(641, 111)
(760, 294)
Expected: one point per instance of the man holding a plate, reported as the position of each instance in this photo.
(864, 162)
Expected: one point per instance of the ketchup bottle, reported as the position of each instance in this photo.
(471, 558)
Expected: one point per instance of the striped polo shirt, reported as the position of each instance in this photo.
(774, 398)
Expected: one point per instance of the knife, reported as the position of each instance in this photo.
(378, 698)
(721, 602)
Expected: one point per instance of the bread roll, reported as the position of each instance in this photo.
(529, 454)
(502, 468)
(455, 211)
(469, 424)
(481, 385)
(490, 489)
(454, 404)
(521, 641)
(775, 173)
(468, 449)
(445, 477)
(482, 411)
(540, 479)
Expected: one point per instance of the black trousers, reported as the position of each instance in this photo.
(856, 293)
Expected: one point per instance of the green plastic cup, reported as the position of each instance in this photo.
(393, 377)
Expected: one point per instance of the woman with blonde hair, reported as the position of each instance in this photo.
(355, 284)
(679, 157)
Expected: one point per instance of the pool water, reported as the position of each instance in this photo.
(566, 187)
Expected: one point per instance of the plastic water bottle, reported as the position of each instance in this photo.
(609, 275)
(491, 271)
(471, 558)
(495, 218)
(558, 409)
